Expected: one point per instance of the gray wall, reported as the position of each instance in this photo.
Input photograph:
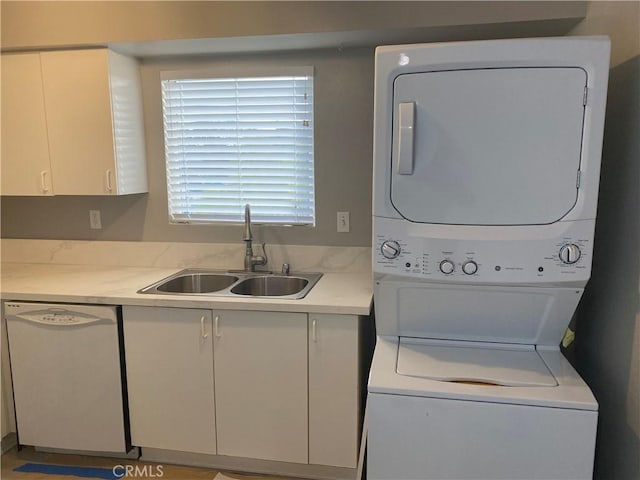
(37, 24)
(343, 153)
(344, 82)
(607, 346)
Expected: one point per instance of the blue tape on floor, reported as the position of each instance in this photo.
(84, 472)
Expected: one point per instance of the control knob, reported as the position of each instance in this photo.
(390, 249)
(570, 253)
(470, 267)
(446, 267)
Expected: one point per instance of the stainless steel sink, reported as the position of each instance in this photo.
(225, 284)
(270, 286)
(196, 283)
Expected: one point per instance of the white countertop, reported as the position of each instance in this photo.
(337, 293)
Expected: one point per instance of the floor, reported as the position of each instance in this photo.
(14, 458)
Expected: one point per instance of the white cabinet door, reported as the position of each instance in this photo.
(261, 385)
(334, 390)
(78, 105)
(25, 151)
(169, 361)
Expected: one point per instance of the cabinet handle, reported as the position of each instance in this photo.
(203, 332)
(314, 336)
(217, 325)
(109, 184)
(43, 181)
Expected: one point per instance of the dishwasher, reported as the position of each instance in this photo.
(67, 367)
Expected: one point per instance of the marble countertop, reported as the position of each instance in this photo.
(337, 293)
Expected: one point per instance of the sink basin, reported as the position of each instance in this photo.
(192, 282)
(197, 283)
(226, 284)
(270, 286)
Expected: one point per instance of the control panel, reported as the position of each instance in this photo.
(55, 318)
(58, 318)
(566, 257)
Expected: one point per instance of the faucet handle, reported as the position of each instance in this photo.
(285, 269)
(264, 254)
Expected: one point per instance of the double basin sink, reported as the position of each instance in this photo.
(232, 284)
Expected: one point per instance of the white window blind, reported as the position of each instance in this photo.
(236, 141)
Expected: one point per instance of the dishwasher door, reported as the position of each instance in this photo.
(67, 376)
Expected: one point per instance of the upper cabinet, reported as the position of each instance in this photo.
(72, 124)
(25, 169)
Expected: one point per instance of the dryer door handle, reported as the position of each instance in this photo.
(404, 155)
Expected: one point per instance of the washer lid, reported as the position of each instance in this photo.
(473, 362)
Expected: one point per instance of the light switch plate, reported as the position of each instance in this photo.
(95, 220)
(343, 222)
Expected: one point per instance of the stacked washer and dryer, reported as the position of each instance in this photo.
(486, 169)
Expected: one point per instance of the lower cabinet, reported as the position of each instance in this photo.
(169, 362)
(334, 390)
(260, 364)
(287, 385)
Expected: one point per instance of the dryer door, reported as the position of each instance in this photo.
(488, 146)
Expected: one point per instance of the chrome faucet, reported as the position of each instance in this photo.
(250, 261)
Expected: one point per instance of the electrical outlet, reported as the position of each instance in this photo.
(343, 222)
(94, 219)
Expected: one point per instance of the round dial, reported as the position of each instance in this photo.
(390, 249)
(470, 267)
(570, 253)
(446, 267)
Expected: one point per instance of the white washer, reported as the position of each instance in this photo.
(486, 168)
(541, 425)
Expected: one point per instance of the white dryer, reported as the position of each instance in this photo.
(486, 169)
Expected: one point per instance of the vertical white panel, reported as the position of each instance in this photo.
(261, 385)
(170, 378)
(25, 148)
(334, 393)
(6, 395)
(78, 105)
(130, 175)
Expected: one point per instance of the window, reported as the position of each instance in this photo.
(236, 141)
